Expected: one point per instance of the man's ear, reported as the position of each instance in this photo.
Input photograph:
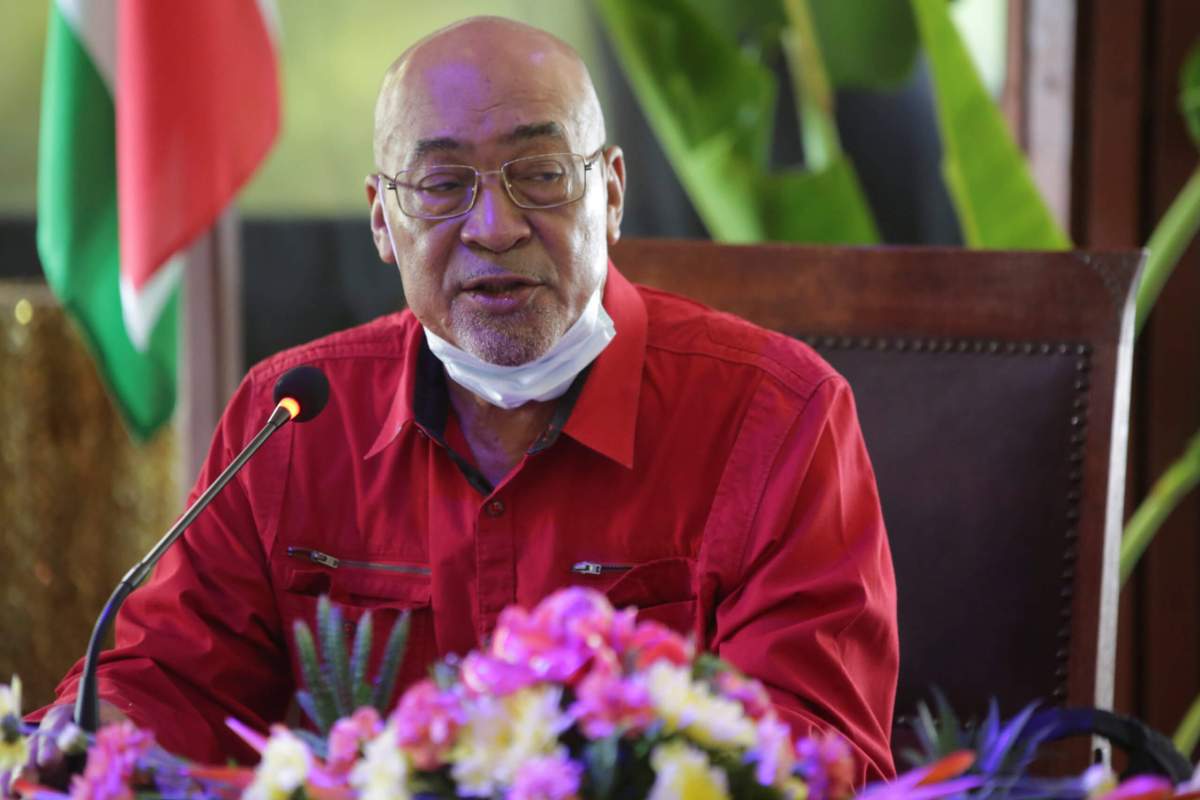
(379, 231)
(614, 181)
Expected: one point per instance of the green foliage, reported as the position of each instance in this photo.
(867, 44)
(700, 71)
(389, 668)
(1179, 479)
(335, 681)
(997, 202)
(1188, 733)
(711, 102)
(600, 759)
(1002, 748)
(1189, 93)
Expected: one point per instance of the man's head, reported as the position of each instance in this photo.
(501, 281)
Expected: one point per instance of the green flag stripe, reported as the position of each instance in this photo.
(77, 231)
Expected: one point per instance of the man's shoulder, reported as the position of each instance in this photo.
(384, 339)
(679, 327)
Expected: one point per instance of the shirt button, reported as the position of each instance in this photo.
(495, 508)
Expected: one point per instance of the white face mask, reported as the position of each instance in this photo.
(544, 378)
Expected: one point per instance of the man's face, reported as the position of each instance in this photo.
(501, 282)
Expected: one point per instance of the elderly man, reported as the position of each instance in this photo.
(532, 421)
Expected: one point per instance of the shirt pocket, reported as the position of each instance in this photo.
(385, 588)
(663, 590)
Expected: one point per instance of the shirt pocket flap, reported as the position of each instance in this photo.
(666, 580)
(361, 588)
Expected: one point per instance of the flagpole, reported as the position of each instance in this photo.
(210, 340)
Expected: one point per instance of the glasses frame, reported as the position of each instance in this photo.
(393, 183)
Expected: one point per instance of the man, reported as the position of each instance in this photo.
(532, 421)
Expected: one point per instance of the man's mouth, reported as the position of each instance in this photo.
(497, 284)
(499, 294)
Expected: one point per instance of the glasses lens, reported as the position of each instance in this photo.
(543, 181)
(436, 191)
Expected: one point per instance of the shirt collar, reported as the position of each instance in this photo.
(605, 416)
(600, 407)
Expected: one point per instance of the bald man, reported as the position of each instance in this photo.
(531, 421)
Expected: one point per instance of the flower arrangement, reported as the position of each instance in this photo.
(572, 700)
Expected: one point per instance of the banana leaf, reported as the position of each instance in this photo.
(867, 44)
(711, 103)
(989, 181)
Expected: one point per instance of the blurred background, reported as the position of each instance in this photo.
(1087, 90)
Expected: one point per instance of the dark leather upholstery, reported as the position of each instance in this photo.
(993, 393)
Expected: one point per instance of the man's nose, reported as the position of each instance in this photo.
(495, 222)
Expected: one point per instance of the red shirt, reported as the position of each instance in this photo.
(708, 471)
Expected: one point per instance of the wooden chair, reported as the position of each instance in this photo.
(993, 391)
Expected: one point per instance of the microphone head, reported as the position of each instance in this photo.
(306, 385)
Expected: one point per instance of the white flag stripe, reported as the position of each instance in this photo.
(271, 20)
(95, 25)
(142, 308)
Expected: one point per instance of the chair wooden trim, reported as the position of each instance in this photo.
(1073, 305)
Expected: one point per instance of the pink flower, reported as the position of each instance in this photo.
(427, 720)
(654, 642)
(347, 737)
(557, 639)
(606, 702)
(827, 765)
(483, 674)
(111, 763)
(747, 691)
(552, 777)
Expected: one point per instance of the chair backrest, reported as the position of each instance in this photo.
(993, 392)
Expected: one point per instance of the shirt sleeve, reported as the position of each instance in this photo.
(806, 599)
(201, 641)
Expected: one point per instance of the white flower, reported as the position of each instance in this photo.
(283, 769)
(10, 699)
(383, 772)
(690, 707)
(501, 734)
(682, 772)
(14, 746)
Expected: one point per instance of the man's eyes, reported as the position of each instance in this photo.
(442, 182)
(540, 172)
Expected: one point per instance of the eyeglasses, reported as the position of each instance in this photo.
(441, 191)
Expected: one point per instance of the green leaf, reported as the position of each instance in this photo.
(989, 181)
(600, 758)
(1189, 93)
(711, 104)
(867, 44)
(1180, 478)
(1188, 733)
(319, 745)
(755, 24)
(322, 711)
(361, 687)
(1166, 246)
(389, 667)
(333, 648)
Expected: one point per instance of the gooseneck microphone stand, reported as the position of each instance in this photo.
(87, 703)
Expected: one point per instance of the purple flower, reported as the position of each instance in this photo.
(606, 702)
(827, 765)
(111, 763)
(552, 777)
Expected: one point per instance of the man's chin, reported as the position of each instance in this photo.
(495, 347)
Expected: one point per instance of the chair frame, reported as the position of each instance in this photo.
(952, 298)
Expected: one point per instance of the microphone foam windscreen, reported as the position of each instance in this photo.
(308, 386)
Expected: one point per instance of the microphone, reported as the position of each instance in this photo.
(300, 394)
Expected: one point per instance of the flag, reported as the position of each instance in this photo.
(154, 114)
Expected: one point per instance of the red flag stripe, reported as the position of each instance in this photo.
(197, 108)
